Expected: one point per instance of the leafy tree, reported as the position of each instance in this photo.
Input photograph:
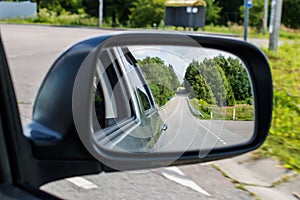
(237, 77)
(53, 5)
(212, 12)
(230, 11)
(196, 86)
(174, 79)
(117, 11)
(230, 100)
(207, 76)
(91, 7)
(256, 14)
(216, 79)
(146, 12)
(291, 13)
(161, 78)
(71, 5)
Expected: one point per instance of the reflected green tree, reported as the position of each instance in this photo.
(161, 78)
(236, 75)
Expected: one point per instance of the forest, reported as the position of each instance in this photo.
(222, 81)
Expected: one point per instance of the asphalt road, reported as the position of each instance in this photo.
(31, 50)
(187, 132)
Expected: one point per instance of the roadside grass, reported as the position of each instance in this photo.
(283, 141)
(285, 33)
(235, 29)
(45, 16)
(243, 112)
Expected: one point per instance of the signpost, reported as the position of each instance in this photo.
(247, 6)
(100, 12)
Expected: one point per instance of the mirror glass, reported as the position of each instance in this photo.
(170, 99)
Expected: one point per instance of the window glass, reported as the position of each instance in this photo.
(144, 99)
(111, 93)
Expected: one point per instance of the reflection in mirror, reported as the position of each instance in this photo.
(171, 99)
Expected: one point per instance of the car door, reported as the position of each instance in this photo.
(14, 151)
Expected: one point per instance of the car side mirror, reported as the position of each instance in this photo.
(139, 100)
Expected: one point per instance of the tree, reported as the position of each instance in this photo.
(174, 79)
(59, 6)
(146, 13)
(117, 11)
(230, 11)
(230, 100)
(208, 81)
(71, 5)
(212, 12)
(161, 78)
(91, 7)
(216, 78)
(291, 13)
(236, 75)
(196, 86)
(256, 14)
(223, 79)
(53, 5)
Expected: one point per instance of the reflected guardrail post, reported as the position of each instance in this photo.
(195, 111)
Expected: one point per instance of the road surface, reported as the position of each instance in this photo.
(187, 132)
(31, 50)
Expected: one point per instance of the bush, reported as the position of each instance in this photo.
(146, 13)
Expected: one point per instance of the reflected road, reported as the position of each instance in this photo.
(187, 132)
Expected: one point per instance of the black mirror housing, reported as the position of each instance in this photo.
(55, 136)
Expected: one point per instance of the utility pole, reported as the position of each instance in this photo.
(100, 12)
(265, 22)
(275, 24)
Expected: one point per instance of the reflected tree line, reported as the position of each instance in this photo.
(161, 78)
(219, 87)
(219, 80)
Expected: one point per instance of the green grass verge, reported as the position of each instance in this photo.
(285, 33)
(284, 139)
(48, 17)
(243, 112)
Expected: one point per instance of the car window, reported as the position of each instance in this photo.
(141, 85)
(143, 99)
(111, 94)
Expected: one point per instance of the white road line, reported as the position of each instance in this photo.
(174, 111)
(176, 175)
(208, 130)
(81, 182)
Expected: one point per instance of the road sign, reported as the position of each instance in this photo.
(249, 3)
